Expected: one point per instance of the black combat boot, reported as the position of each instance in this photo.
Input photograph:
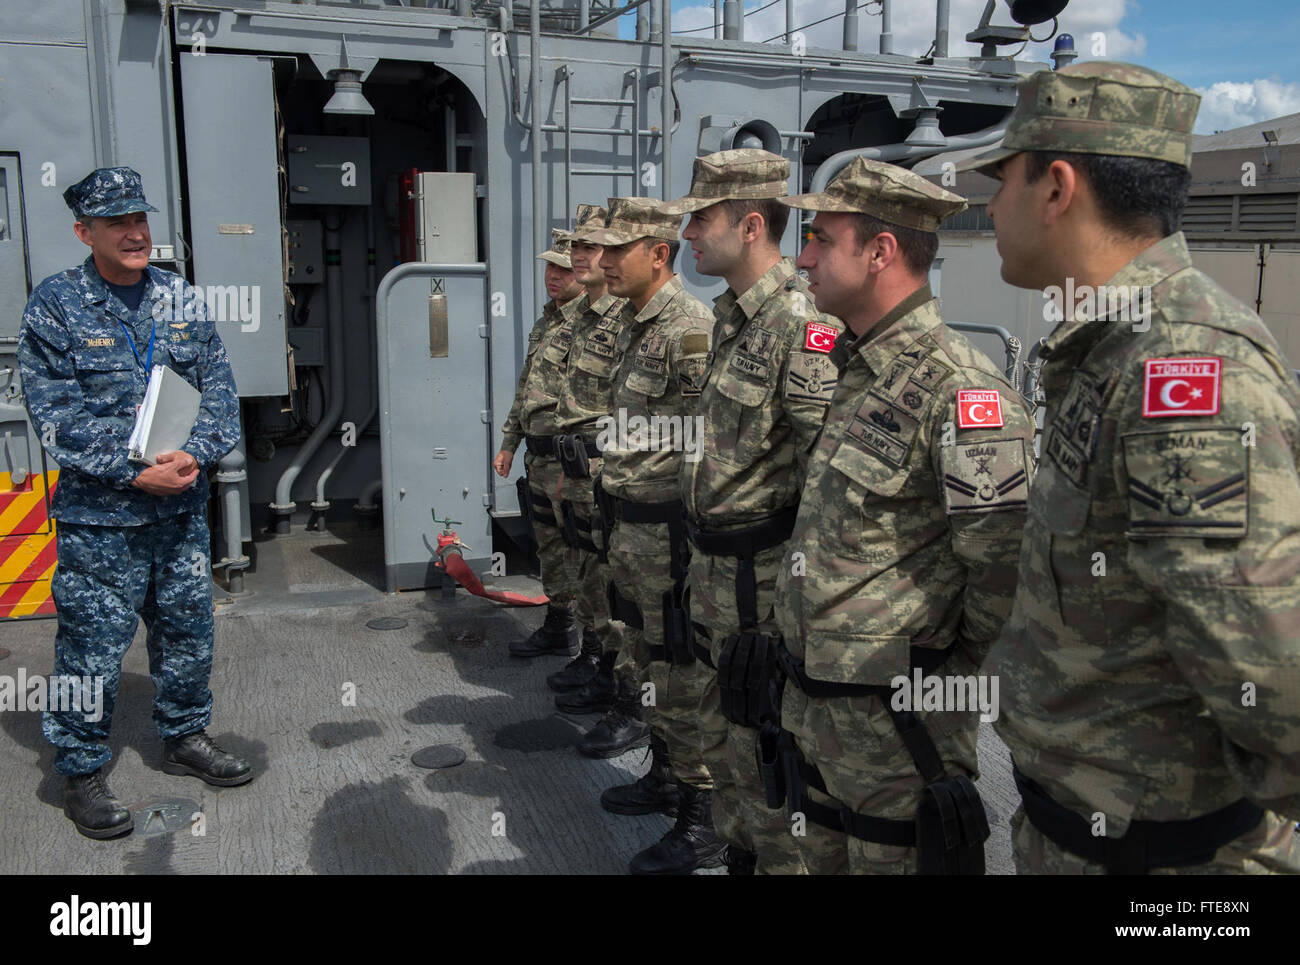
(581, 669)
(595, 696)
(557, 636)
(691, 843)
(621, 729)
(739, 861)
(199, 756)
(653, 792)
(93, 808)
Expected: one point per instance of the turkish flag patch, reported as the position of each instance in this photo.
(1179, 387)
(979, 409)
(819, 338)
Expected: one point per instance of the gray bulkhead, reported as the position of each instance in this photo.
(197, 96)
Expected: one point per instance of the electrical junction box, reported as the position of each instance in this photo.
(308, 345)
(328, 170)
(446, 226)
(306, 244)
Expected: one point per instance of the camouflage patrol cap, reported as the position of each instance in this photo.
(740, 174)
(1098, 107)
(107, 193)
(884, 191)
(558, 253)
(633, 218)
(590, 217)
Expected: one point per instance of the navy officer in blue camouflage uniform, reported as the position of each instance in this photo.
(132, 539)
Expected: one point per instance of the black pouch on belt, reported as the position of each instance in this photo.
(604, 506)
(951, 828)
(679, 634)
(569, 524)
(746, 666)
(771, 766)
(571, 450)
(526, 504)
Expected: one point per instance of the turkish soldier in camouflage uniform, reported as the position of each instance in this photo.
(586, 684)
(662, 350)
(902, 562)
(1149, 665)
(132, 541)
(532, 417)
(769, 382)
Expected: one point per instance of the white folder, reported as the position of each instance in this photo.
(166, 418)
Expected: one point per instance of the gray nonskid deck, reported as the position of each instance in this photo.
(336, 791)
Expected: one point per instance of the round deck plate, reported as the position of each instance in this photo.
(386, 623)
(438, 756)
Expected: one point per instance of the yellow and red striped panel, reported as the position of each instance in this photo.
(27, 551)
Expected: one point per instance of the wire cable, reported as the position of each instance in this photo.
(865, 3)
(711, 26)
(1056, 25)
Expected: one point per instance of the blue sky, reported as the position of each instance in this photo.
(1243, 55)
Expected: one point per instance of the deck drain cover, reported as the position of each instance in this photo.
(438, 756)
(386, 623)
(165, 816)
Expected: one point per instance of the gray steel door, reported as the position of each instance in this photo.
(432, 404)
(234, 198)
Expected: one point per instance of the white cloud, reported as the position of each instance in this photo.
(913, 26)
(1226, 105)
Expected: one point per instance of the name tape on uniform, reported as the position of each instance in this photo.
(979, 409)
(1181, 387)
(819, 337)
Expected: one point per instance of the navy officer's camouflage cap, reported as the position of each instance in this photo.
(632, 218)
(884, 191)
(1098, 107)
(741, 174)
(107, 193)
(558, 253)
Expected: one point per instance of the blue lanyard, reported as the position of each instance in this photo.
(148, 362)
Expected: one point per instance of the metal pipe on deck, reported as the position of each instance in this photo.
(535, 137)
(284, 506)
(886, 27)
(733, 23)
(900, 151)
(321, 504)
(851, 24)
(789, 21)
(666, 74)
(941, 29)
(717, 19)
(230, 473)
(656, 21)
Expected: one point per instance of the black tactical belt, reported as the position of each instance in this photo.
(744, 543)
(577, 529)
(550, 446)
(621, 608)
(924, 658)
(1146, 844)
(950, 826)
(861, 826)
(533, 505)
(672, 650)
(630, 512)
(612, 508)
